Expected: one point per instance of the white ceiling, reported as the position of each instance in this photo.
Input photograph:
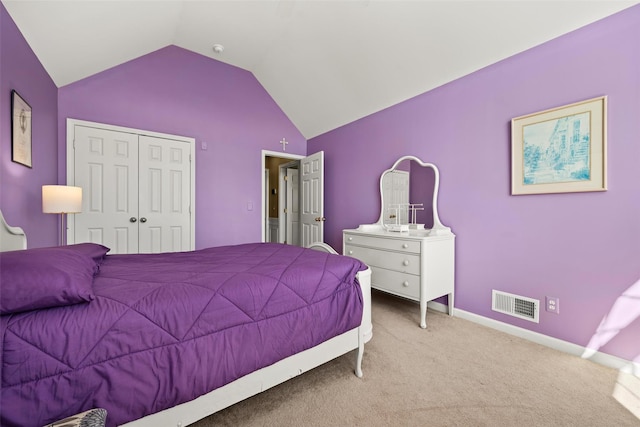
(326, 63)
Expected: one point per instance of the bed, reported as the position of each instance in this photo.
(167, 339)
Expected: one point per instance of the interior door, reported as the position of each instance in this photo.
(395, 194)
(164, 195)
(312, 199)
(293, 207)
(106, 167)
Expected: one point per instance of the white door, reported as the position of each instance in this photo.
(285, 199)
(395, 194)
(164, 196)
(106, 167)
(293, 207)
(312, 199)
(267, 229)
(136, 191)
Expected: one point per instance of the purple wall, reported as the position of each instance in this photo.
(583, 248)
(179, 92)
(20, 186)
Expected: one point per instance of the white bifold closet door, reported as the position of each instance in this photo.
(136, 191)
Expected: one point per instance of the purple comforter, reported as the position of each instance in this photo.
(166, 328)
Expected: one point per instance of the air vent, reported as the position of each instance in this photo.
(515, 305)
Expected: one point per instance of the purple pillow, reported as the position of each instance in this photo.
(93, 250)
(45, 277)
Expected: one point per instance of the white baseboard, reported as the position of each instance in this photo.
(627, 392)
(608, 360)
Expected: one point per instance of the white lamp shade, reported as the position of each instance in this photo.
(61, 199)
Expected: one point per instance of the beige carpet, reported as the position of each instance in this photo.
(454, 373)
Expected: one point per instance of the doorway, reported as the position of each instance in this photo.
(274, 201)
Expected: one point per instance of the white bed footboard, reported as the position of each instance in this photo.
(364, 278)
(250, 385)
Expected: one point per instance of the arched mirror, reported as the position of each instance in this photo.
(409, 198)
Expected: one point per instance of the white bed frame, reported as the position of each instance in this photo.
(14, 238)
(11, 238)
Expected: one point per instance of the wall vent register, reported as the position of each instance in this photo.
(515, 305)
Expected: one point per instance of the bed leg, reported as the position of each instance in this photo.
(359, 356)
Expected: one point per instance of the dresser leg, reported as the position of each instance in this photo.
(423, 314)
(451, 304)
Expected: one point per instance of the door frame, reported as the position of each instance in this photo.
(265, 215)
(71, 124)
(265, 154)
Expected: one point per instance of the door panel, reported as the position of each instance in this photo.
(312, 198)
(293, 207)
(165, 219)
(106, 164)
(395, 192)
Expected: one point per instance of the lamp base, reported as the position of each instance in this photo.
(62, 230)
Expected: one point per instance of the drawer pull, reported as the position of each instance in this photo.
(350, 252)
(405, 246)
(405, 262)
(405, 284)
(350, 239)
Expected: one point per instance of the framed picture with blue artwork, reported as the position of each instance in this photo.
(561, 150)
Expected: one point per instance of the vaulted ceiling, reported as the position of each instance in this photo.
(326, 63)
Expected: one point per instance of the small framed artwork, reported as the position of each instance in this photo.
(20, 130)
(561, 150)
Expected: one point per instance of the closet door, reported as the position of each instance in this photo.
(164, 196)
(106, 167)
(136, 191)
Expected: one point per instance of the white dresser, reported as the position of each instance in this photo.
(407, 259)
(410, 264)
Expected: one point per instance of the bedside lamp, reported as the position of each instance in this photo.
(61, 199)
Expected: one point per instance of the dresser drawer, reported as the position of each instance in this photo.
(397, 261)
(401, 245)
(403, 284)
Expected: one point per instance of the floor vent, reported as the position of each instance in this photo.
(515, 305)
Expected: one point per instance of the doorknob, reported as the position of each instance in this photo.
(143, 219)
(133, 219)
(318, 219)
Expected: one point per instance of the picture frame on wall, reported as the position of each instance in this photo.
(20, 130)
(560, 150)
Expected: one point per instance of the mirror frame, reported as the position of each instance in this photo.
(438, 227)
